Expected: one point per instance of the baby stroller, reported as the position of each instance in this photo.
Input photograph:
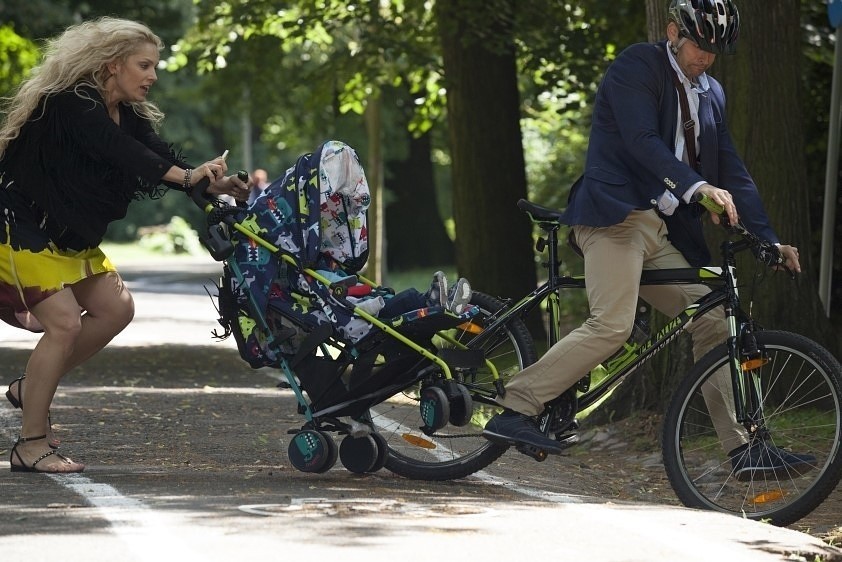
(410, 393)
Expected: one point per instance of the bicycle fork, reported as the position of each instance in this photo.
(746, 360)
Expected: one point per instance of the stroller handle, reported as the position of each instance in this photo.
(197, 194)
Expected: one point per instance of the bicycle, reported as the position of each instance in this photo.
(787, 388)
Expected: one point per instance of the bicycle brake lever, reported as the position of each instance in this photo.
(771, 255)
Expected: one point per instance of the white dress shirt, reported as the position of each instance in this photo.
(668, 203)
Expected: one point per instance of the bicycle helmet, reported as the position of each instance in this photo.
(713, 24)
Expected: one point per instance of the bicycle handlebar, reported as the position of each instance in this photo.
(765, 251)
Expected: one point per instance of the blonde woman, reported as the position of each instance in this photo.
(77, 146)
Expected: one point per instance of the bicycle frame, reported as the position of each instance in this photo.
(724, 294)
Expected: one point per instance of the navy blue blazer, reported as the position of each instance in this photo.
(631, 154)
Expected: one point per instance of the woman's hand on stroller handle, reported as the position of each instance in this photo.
(237, 186)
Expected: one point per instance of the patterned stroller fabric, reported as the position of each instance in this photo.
(344, 198)
(317, 213)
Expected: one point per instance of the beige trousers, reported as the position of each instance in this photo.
(614, 259)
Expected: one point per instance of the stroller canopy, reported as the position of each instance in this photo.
(320, 205)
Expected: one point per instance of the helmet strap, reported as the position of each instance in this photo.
(675, 47)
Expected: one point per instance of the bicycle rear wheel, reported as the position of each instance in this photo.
(456, 451)
(798, 387)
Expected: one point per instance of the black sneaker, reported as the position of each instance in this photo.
(761, 460)
(513, 428)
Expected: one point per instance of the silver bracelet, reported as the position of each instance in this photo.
(188, 173)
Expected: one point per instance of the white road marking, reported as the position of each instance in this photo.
(135, 523)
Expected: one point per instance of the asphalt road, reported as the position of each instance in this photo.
(186, 461)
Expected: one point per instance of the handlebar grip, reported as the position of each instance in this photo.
(197, 194)
(708, 203)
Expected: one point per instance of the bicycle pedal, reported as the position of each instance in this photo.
(567, 440)
(536, 453)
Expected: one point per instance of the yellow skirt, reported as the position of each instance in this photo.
(27, 278)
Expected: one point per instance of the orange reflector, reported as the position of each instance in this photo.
(767, 497)
(751, 364)
(418, 441)
(470, 327)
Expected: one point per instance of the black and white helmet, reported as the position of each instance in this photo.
(713, 24)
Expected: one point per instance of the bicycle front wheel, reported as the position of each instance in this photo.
(456, 451)
(795, 386)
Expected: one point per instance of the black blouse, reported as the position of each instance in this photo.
(80, 167)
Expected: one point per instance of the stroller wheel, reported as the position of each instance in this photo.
(435, 409)
(461, 406)
(359, 454)
(382, 452)
(312, 451)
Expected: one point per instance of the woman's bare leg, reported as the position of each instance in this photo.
(69, 339)
(109, 309)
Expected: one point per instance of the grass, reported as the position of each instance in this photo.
(420, 278)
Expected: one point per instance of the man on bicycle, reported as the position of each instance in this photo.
(658, 138)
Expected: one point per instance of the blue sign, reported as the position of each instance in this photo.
(834, 12)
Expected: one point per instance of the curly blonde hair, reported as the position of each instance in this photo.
(78, 57)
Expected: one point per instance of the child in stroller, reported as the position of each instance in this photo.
(454, 298)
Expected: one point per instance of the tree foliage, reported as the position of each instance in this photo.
(303, 70)
(17, 56)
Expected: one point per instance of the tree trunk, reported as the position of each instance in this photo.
(763, 84)
(375, 268)
(656, 20)
(414, 229)
(493, 239)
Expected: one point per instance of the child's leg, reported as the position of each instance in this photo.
(406, 300)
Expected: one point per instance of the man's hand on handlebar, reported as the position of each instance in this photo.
(790, 255)
(721, 198)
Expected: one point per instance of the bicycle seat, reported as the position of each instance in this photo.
(539, 213)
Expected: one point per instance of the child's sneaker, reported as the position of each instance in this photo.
(460, 296)
(437, 295)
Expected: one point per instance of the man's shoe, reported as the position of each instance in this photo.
(513, 428)
(761, 460)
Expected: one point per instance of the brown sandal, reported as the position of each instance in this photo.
(17, 402)
(33, 468)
